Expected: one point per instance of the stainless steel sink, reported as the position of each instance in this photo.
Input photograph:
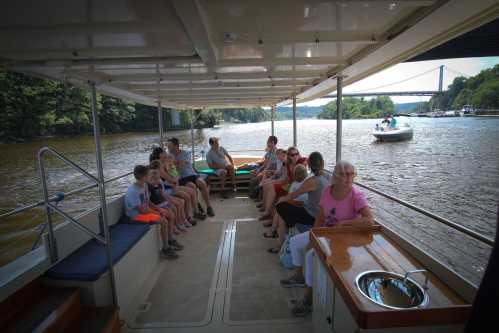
(392, 290)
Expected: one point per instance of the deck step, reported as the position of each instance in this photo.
(52, 310)
(98, 319)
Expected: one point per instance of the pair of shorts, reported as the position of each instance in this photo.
(147, 218)
(188, 179)
(293, 215)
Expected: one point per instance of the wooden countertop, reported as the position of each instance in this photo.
(356, 250)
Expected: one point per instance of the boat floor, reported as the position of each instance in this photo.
(224, 280)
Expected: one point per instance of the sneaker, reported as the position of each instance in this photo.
(200, 216)
(192, 222)
(293, 281)
(210, 211)
(175, 245)
(200, 208)
(188, 224)
(302, 308)
(182, 226)
(168, 253)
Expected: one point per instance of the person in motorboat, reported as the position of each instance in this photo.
(386, 121)
(222, 163)
(278, 189)
(138, 209)
(393, 123)
(187, 173)
(161, 199)
(169, 176)
(290, 213)
(341, 204)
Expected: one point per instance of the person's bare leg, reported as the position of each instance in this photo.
(265, 190)
(223, 178)
(164, 231)
(195, 188)
(193, 193)
(269, 200)
(187, 201)
(282, 231)
(179, 206)
(204, 191)
(232, 173)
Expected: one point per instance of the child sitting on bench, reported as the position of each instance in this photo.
(139, 209)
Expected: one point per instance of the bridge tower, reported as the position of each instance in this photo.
(441, 79)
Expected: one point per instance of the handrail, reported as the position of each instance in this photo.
(453, 225)
(54, 197)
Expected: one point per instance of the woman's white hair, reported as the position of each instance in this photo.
(341, 166)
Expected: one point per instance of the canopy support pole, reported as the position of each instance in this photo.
(160, 121)
(272, 119)
(339, 115)
(192, 133)
(102, 192)
(294, 121)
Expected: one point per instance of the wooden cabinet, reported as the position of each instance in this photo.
(331, 314)
(323, 298)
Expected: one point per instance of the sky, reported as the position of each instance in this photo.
(429, 81)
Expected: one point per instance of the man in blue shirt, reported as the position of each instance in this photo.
(187, 174)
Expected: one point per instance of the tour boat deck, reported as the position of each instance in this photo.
(224, 280)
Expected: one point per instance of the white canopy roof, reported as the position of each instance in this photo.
(224, 53)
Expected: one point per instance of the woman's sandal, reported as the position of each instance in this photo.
(272, 234)
(272, 250)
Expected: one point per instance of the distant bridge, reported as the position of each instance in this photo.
(440, 90)
(389, 93)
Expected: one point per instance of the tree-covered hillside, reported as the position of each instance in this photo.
(359, 108)
(480, 91)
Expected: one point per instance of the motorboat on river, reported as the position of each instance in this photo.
(96, 273)
(387, 133)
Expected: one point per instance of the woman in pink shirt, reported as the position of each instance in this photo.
(341, 204)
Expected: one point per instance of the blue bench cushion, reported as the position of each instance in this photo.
(89, 261)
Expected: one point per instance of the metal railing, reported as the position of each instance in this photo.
(56, 197)
(50, 207)
(453, 225)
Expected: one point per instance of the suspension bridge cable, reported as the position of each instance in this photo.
(398, 82)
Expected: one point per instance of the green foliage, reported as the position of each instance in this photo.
(247, 115)
(303, 112)
(31, 107)
(359, 108)
(480, 91)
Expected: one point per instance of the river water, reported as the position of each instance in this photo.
(451, 167)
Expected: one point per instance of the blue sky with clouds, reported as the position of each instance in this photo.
(429, 81)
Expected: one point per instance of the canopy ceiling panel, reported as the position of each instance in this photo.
(224, 53)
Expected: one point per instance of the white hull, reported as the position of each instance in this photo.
(400, 134)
